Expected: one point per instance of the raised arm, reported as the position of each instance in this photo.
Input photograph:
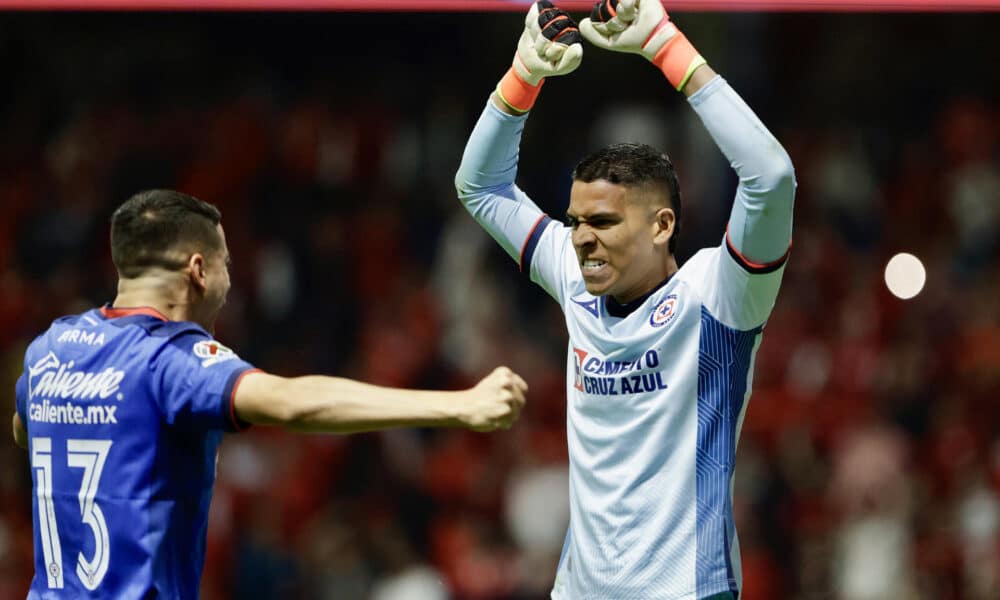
(760, 224)
(549, 45)
(337, 405)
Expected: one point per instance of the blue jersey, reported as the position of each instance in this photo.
(124, 411)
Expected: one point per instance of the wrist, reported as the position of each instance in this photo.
(517, 93)
(448, 409)
(461, 412)
(677, 59)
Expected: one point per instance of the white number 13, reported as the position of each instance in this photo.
(88, 455)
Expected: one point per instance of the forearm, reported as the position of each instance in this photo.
(760, 225)
(491, 154)
(346, 406)
(761, 221)
(336, 405)
(485, 181)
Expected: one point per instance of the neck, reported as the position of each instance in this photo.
(162, 292)
(669, 268)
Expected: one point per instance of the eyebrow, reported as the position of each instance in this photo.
(594, 217)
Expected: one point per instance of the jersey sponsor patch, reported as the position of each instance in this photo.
(664, 312)
(598, 376)
(52, 378)
(212, 352)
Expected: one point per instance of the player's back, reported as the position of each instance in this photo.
(124, 417)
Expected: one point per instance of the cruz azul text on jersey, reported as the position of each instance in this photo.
(598, 376)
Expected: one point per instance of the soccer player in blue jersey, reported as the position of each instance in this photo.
(122, 409)
(660, 355)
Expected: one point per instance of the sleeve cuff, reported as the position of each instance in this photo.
(500, 115)
(530, 244)
(707, 90)
(229, 393)
(756, 268)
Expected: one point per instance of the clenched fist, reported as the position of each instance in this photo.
(495, 402)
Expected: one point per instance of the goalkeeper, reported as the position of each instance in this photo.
(660, 355)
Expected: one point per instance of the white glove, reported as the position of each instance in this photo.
(643, 27)
(549, 45)
(629, 26)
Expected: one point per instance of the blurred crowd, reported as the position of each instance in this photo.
(869, 463)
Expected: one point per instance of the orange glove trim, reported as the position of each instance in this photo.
(517, 93)
(678, 59)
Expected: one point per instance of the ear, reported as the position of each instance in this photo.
(664, 226)
(196, 271)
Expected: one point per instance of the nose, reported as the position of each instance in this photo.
(583, 236)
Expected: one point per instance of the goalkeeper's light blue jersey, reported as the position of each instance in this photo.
(656, 390)
(124, 411)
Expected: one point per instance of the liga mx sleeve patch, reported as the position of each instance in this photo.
(196, 382)
(211, 352)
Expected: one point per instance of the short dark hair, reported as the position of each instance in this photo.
(635, 165)
(156, 228)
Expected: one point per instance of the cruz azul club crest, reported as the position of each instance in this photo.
(664, 312)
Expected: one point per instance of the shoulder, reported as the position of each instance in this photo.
(188, 341)
(694, 272)
(547, 236)
(59, 331)
(173, 331)
(701, 260)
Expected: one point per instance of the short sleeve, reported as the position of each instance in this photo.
(196, 379)
(545, 255)
(739, 293)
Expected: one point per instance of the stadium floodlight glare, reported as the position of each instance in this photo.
(505, 5)
(905, 275)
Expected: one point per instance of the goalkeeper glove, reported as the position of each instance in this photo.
(643, 27)
(549, 45)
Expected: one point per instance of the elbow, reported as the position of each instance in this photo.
(473, 185)
(779, 171)
(776, 178)
(786, 174)
(465, 188)
(310, 406)
(289, 413)
(461, 185)
(295, 410)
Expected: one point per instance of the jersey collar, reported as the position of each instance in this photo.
(615, 309)
(110, 312)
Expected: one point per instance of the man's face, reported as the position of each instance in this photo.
(216, 280)
(618, 237)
